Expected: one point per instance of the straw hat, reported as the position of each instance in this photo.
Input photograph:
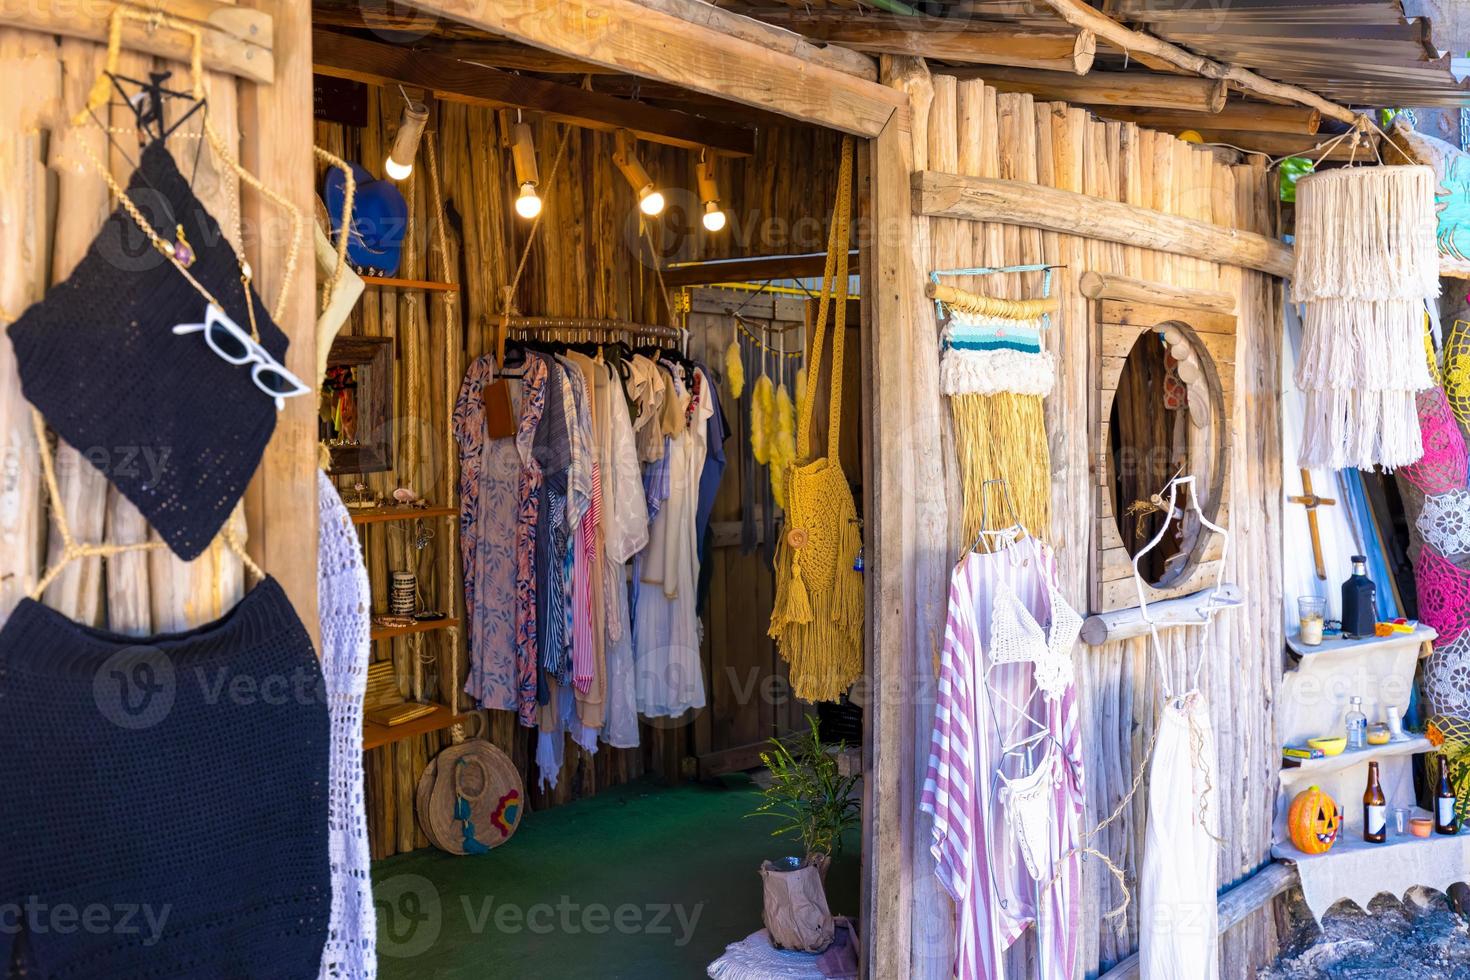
(485, 779)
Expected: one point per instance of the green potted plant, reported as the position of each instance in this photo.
(815, 804)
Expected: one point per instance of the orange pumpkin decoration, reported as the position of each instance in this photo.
(1312, 821)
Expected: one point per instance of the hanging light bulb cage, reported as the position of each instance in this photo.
(415, 116)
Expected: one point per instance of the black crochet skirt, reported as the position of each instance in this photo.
(163, 800)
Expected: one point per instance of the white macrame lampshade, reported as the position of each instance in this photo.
(1366, 262)
(1445, 522)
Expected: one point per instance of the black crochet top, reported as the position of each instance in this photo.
(164, 798)
(177, 429)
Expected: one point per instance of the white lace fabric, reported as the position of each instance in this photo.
(1445, 522)
(1447, 677)
(343, 598)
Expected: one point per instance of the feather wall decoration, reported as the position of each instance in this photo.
(734, 369)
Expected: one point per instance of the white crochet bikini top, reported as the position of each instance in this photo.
(1017, 637)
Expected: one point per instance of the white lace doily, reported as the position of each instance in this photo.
(1447, 677)
(1445, 522)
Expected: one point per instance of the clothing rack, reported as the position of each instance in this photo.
(591, 329)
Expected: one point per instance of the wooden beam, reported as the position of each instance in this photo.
(1249, 117)
(1080, 15)
(756, 31)
(1232, 908)
(941, 195)
(947, 39)
(1098, 285)
(236, 39)
(1124, 624)
(753, 269)
(508, 54)
(457, 81)
(1280, 145)
(280, 502)
(1106, 88)
(685, 43)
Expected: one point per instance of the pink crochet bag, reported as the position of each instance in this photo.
(1443, 465)
(1444, 594)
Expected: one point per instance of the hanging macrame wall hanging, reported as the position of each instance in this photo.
(1366, 263)
(996, 371)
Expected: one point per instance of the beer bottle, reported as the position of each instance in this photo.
(1375, 809)
(1445, 821)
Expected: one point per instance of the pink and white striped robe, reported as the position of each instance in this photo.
(995, 904)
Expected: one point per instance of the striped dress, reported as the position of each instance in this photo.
(979, 858)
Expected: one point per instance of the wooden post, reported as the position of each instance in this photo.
(276, 130)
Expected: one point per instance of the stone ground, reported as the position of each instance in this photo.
(1421, 938)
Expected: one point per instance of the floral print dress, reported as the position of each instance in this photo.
(497, 486)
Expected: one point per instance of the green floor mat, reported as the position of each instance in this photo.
(638, 881)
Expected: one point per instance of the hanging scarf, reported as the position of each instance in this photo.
(818, 617)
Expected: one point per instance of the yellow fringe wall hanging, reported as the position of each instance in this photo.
(817, 621)
(996, 373)
(734, 369)
(761, 406)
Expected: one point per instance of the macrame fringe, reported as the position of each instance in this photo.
(990, 372)
(1348, 427)
(1366, 233)
(1003, 436)
(1365, 344)
(734, 369)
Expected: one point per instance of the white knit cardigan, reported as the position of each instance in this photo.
(343, 601)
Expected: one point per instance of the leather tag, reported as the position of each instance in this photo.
(500, 419)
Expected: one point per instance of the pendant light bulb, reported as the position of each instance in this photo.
(528, 205)
(651, 202)
(396, 170)
(714, 218)
(415, 116)
(709, 193)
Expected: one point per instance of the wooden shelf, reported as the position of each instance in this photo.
(375, 735)
(425, 626)
(374, 515)
(1422, 634)
(423, 284)
(1352, 757)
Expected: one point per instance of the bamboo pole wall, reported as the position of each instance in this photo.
(588, 260)
(973, 129)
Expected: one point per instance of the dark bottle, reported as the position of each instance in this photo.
(1445, 821)
(1359, 610)
(1375, 809)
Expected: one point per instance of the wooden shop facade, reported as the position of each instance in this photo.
(1025, 156)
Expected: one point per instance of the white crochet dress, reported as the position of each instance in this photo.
(343, 604)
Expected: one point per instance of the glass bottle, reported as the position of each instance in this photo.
(1445, 821)
(1375, 809)
(1359, 608)
(1356, 724)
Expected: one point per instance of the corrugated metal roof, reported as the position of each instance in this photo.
(1363, 53)
(1357, 52)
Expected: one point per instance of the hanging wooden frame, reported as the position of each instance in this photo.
(1117, 325)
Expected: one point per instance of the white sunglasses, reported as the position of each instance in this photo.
(235, 346)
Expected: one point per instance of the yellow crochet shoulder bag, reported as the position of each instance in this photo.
(817, 621)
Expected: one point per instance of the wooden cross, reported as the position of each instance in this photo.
(1311, 502)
